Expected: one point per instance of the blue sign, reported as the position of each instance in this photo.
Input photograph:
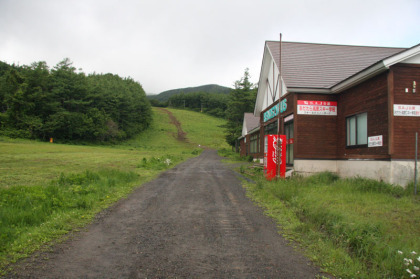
(274, 111)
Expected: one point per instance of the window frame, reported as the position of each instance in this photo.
(255, 143)
(271, 128)
(356, 145)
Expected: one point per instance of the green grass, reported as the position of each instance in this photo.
(352, 228)
(201, 128)
(33, 215)
(25, 162)
(49, 189)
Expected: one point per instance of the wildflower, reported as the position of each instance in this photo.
(416, 268)
(409, 271)
(407, 261)
(413, 275)
(413, 253)
(400, 252)
(168, 161)
(418, 259)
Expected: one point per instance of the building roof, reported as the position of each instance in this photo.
(250, 123)
(309, 65)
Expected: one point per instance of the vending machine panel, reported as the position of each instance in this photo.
(271, 153)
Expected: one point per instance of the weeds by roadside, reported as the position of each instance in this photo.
(234, 156)
(352, 228)
(158, 163)
(30, 216)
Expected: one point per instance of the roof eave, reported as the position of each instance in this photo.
(400, 57)
(254, 130)
(359, 77)
(309, 90)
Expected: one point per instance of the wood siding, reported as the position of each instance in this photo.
(315, 135)
(243, 147)
(405, 127)
(371, 97)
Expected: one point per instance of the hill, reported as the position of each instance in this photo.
(209, 88)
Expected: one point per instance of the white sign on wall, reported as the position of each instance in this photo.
(406, 110)
(375, 141)
(316, 107)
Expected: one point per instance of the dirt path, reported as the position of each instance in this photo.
(193, 221)
(181, 135)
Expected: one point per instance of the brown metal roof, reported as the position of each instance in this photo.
(311, 65)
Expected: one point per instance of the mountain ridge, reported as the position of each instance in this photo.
(208, 88)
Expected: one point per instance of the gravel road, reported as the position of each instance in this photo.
(193, 221)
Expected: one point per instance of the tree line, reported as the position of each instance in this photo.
(211, 103)
(40, 103)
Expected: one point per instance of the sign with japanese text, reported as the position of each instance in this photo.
(406, 110)
(375, 141)
(316, 107)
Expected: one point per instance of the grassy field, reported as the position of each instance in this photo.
(352, 228)
(204, 130)
(48, 189)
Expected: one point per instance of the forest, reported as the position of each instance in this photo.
(211, 103)
(65, 104)
(207, 88)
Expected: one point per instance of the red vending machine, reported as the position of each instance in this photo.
(270, 156)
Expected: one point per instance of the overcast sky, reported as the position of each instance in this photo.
(168, 44)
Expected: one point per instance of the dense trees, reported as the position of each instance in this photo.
(211, 103)
(241, 100)
(36, 102)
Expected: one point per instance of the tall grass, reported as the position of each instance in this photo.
(353, 228)
(32, 215)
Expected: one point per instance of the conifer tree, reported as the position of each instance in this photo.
(241, 100)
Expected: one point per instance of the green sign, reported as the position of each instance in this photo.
(274, 111)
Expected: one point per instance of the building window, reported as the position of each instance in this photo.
(255, 143)
(357, 129)
(271, 129)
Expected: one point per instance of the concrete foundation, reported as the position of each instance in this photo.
(398, 172)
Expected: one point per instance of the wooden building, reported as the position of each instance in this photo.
(353, 110)
(250, 139)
